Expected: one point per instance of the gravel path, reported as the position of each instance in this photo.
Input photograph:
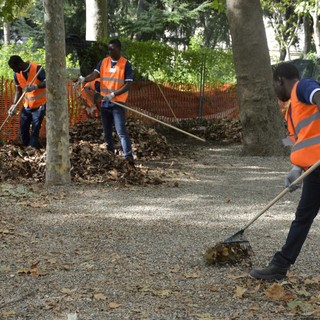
(91, 252)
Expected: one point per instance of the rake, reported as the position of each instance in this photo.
(237, 247)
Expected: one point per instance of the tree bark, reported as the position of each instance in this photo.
(57, 118)
(6, 33)
(316, 28)
(307, 34)
(262, 124)
(96, 20)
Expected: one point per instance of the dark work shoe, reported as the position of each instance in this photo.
(271, 272)
(130, 160)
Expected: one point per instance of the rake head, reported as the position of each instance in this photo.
(231, 251)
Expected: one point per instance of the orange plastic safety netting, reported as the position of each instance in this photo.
(166, 102)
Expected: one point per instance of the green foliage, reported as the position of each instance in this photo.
(150, 59)
(11, 8)
(160, 62)
(219, 5)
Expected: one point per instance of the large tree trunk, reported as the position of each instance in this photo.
(57, 119)
(262, 125)
(96, 19)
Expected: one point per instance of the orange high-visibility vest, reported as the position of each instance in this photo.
(304, 126)
(35, 98)
(113, 79)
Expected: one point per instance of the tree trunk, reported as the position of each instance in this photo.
(6, 33)
(307, 34)
(316, 29)
(262, 124)
(96, 19)
(57, 118)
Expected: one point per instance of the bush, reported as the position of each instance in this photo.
(27, 52)
(151, 60)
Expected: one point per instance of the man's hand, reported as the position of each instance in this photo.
(80, 80)
(30, 88)
(292, 175)
(109, 97)
(12, 110)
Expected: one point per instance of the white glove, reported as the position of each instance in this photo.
(80, 80)
(109, 97)
(12, 110)
(30, 88)
(292, 175)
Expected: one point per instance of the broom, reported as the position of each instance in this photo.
(237, 247)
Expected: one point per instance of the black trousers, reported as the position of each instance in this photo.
(307, 210)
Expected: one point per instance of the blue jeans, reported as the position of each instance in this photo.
(307, 210)
(115, 116)
(31, 117)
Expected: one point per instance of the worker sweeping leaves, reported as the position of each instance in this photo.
(303, 119)
(30, 82)
(116, 77)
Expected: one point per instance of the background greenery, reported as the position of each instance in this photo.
(150, 59)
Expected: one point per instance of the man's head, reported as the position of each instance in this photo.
(114, 48)
(285, 76)
(16, 63)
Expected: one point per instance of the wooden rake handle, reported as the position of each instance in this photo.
(164, 123)
(281, 194)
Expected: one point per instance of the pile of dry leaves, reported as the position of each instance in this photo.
(91, 162)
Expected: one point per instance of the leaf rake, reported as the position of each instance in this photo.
(237, 248)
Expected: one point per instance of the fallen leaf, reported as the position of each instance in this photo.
(67, 291)
(113, 305)
(298, 305)
(239, 292)
(277, 292)
(162, 293)
(238, 276)
(8, 313)
(100, 296)
(313, 280)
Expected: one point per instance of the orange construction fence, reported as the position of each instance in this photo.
(166, 102)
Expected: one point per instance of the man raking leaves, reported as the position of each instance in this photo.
(30, 82)
(303, 119)
(116, 76)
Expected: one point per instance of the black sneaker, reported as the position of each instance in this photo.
(271, 272)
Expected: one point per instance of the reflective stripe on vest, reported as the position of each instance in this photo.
(306, 125)
(35, 98)
(113, 80)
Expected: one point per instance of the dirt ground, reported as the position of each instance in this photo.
(105, 251)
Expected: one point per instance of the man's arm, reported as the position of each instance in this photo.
(316, 99)
(123, 89)
(92, 76)
(17, 94)
(42, 78)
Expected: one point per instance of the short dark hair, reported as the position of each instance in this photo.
(286, 70)
(116, 42)
(15, 61)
